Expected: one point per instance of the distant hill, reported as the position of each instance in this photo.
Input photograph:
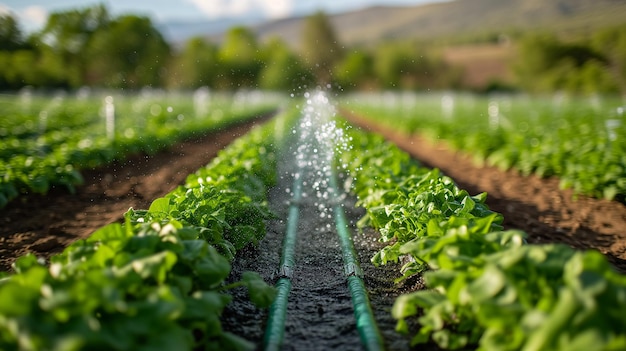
(456, 22)
(452, 20)
(458, 19)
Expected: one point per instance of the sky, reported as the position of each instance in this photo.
(32, 14)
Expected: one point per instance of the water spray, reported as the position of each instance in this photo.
(319, 139)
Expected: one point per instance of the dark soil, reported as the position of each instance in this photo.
(46, 224)
(320, 314)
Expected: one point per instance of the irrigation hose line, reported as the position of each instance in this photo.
(275, 330)
(365, 322)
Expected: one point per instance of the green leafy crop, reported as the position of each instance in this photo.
(47, 142)
(148, 286)
(486, 289)
(579, 140)
(158, 281)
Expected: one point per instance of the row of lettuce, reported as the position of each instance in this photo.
(160, 280)
(45, 141)
(580, 140)
(486, 288)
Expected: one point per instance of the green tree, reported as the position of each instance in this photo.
(536, 57)
(195, 66)
(68, 34)
(240, 59)
(321, 49)
(596, 77)
(404, 65)
(611, 42)
(10, 34)
(354, 70)
(130, 53)
(5, 62)
(23, 69)
(546, 64)
(283, 69)
(10, 41)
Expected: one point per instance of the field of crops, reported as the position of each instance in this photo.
(579, 140)
(311, 233)
(47, 141)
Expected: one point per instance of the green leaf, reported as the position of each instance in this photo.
(233, 342)
(103, 255)
(173, 339)
(204, 305)
(155, 266)
(108, 234)
(193, 249)
(261, 294)
(24, 263)
(188, 233)
(39, 184)
(582, 341)
(468, 205)
(405, 306)
(449, 340)
(241, 236)
(487, 286)
(212, 268)
(161, 205)
(19, 299)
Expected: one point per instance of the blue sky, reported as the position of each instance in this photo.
(32, 14)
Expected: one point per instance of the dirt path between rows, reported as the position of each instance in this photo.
(46, 224)
(532, 204)
(319, 314)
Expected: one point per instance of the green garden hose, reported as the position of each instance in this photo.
(274, 333)
(366, 325)
(365, 322)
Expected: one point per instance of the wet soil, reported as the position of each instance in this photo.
(319, 312)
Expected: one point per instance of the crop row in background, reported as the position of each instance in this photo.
(485, 286)
(580, 140)
(47, 140)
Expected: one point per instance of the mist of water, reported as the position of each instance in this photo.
(319, 140)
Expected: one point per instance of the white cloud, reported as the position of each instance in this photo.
(279, 8)
(30, 18)
(35, 14)
(232, 8)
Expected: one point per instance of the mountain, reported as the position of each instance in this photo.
(459, 18)
(451, 20)
(456, 21)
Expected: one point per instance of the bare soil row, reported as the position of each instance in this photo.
(46, 224)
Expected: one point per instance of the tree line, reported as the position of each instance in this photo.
(596, 64)
(90, 47)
